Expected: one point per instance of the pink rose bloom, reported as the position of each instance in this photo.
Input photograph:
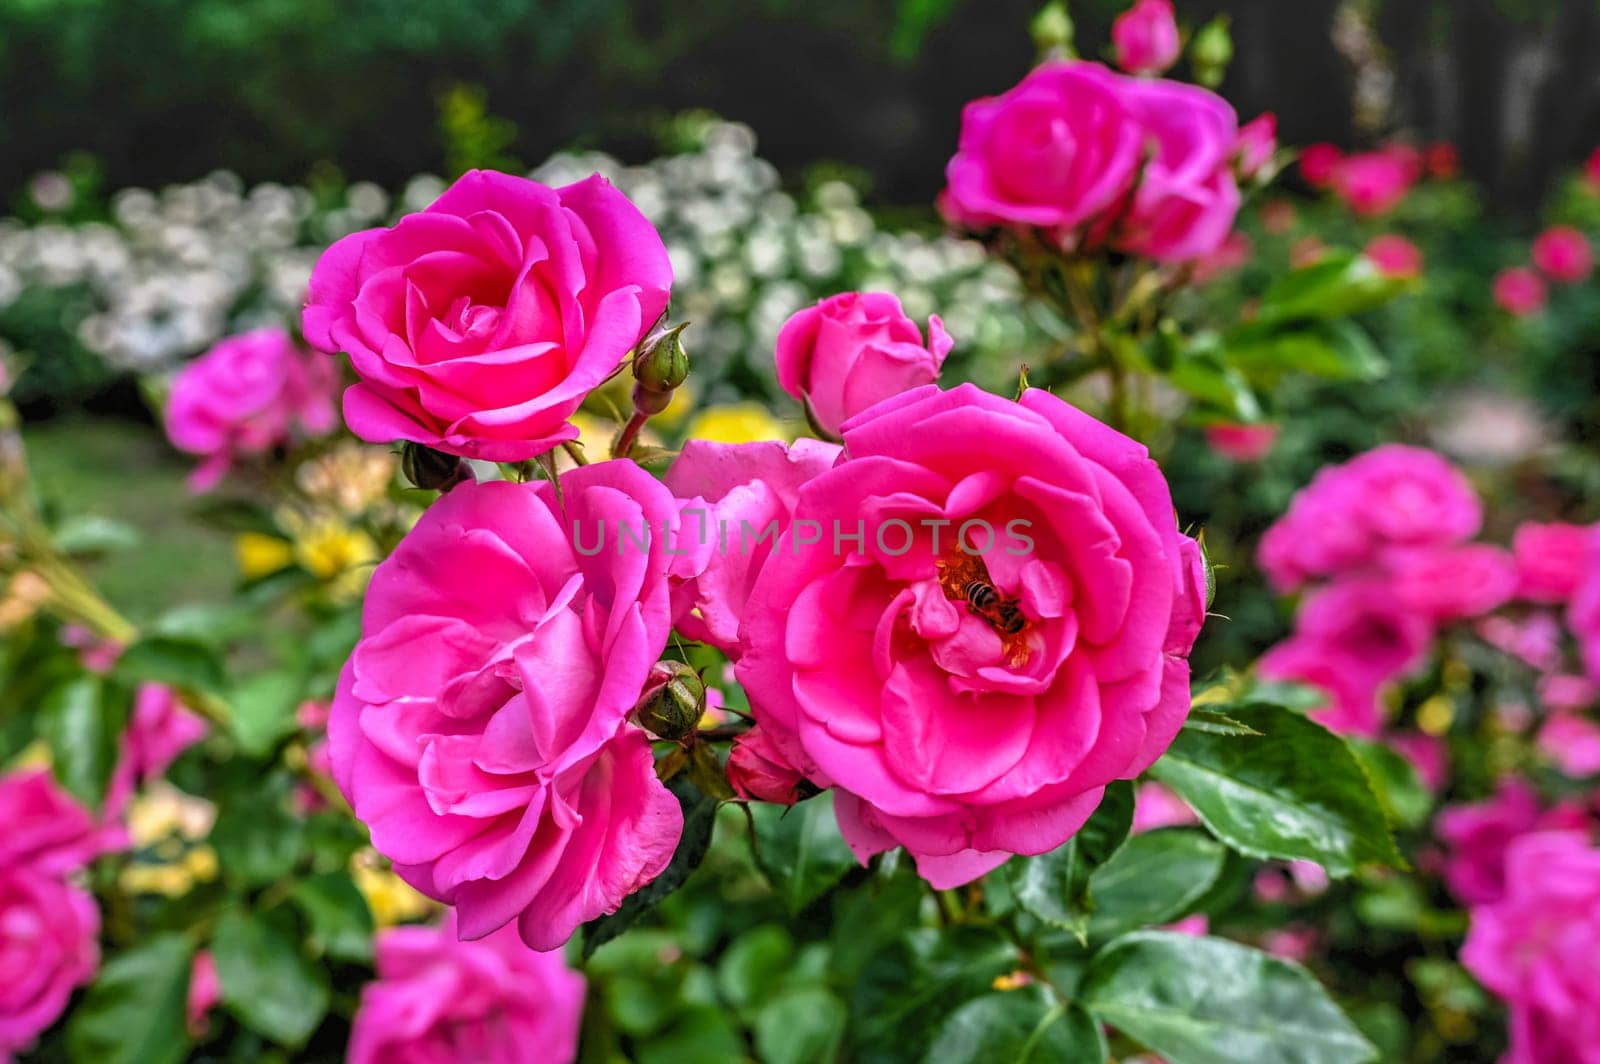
(1055, 151)
(1155, 806)
(1234, 251)
(1258, 139)
(1186, 199)
(1428, 754)
(1591, 170)
(1393, 496)
(1519, 291)
(1572, 743)
(1477, 837)
(480, 727)
(1562, 254)
(478, 325)
(1550, 560)
(1146, 37)
(1583, 614)
(737, 498)
(1373, 183)
(1296, 942)
(759, 772)
(45, 827)
(94, 653)
(1453, 583)
(1319, 164)
(1535, 639)
(49, 932)
(159, 729)
(1395, 256)
(1364, 620)
(205, 991)
(1559, 691)
(437, 1000)
(848, 351)
(964, 732)
(245, 396)
(1196, 924)
(1352, 689)
(1242, 443)
(1535, 948)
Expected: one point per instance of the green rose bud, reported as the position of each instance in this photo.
(673, 701)
(432, 470)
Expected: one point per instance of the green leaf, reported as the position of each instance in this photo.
(1333, 350)
(802, 1026)
(1054, 886)
(1339, 285)
(1208, 720)
(136, 1011)
(700, 1036)
(1154, 878)
(266, 981)
(753, 963)
(182, 663)
(236, 515)
(1025, 1026)
(1222, 390)
(868, 918)
(263, 710)
(911, 985)
(800, 849)
(1201, 1000)
(82, 724)
(341, 922)
(258, 841)
(1294, 791)
(1395, 781)
(94, 534)
(699, 818)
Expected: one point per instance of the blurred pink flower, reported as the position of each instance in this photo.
(1242, 443)
(1258, 139)
(1373, 183)
(1519, 291)
(1155, 806)
(1563, 255)
(1319, 164)
(1146, 37)
(205, 991)
(1572, 743)
(1550, 560)
(49, 931)
(159, 729)
(1395, 256)
(1477, 836)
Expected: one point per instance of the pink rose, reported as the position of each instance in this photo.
(1295, 942)
(1234, 251)
(1352, 689)
(159, 729)
(1583, 615)
(1155, 806)
(245, 396)
(737, 498)
(1535, 948)
(49, 931)
(1395, 256)
(1572, 744)
(1477, 837)
(1453, 583)
(1258, 139)
(846, 352)
(1146, 37)
(1186, 199)
(1391, 497)
(887, 614)
(437, 1000)
(1242, 443)
(1550, 560)
(1562, 254)
(1559, 691)
(1519, 291)
(478, 325)
(1373, 183)
(1534, 639)
(46, 829)
(1055, 151)
(759, 772)
(1428, 754)
(1319, 164)
(205, 991)
(480, 727)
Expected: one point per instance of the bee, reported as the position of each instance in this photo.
(980, 595)
(1003, 613)
(1008, 617)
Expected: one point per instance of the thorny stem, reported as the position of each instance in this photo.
(629, 434)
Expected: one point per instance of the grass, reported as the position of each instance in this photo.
(126, 472)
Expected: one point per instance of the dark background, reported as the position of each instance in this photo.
(162, 90)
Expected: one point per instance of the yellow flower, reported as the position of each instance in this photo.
(338, 554)
(259, 554)
(390, 898)
(736, 423)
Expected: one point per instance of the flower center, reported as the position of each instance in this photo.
(472, 320)
(965, 578)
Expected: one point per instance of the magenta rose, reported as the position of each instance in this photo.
(1562, 254)
(437, 1000)
(1319, 164)
(1535, 948)
(737, 498)
(1477, 836)
(1258, 139)
(480, 728)
(245, 396)
(1055, 151)
(1146, 37)
(1550, 560)
(159, 729)
(1395, 256)
(1186, 199)
(478, 325)
(49, 947)
(1583, 613)
(46, 829)
(1242, 443)
(759, 772)
(977, 619)
(846, 352)
(1351, 515)
(1453, 583)
(1519, 291)
(1373, 183)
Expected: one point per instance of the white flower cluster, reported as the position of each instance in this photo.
(170, 273)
